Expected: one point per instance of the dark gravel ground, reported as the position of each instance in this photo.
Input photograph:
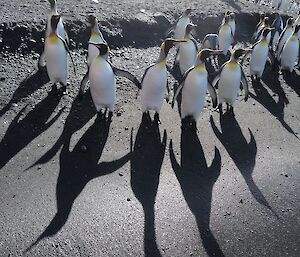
(71, 186)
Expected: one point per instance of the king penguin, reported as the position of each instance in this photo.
(154, 81)
(285, 34)
(278, 27)
(102, 81)
(194, 86)
(232, 23)
(180, 25)
(259, 55)
(290, 51)
(229, 77)
(258, 34)
(96, 37)
(56, 54)
(225, 36)
(60, 31)
(188, 50)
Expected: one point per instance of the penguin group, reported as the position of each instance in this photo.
(273, 42)
(291, 6)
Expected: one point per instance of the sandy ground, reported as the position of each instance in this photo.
(73, 186)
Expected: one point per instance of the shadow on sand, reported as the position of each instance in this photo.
(197, 180)
(28, 86)
(148, 154)
(82, 110)
(77, 168)
(275, 108)
(293, 80)
(30, 127)
(242, 153)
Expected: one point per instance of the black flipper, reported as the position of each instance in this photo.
(83, 82)
(126, 74)
(245, 85)
(68, 50)
(213, 94)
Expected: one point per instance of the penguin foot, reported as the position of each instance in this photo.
(100, 116)
(220, 109)
(110, 115)
(156, 118)
(231, 111)
(54, 87)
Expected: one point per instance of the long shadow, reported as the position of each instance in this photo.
(146, 161)
(271, 79)
(21, 133)
(197, 180)
(28, 86)
(293, 81)
(242, 153)
(77, 168)
(82, 110)
(275, 108)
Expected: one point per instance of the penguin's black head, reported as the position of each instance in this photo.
(239, 52)
(226, 19)
(187, 12)
(227, 13)
(103, 48)
(91, 19)
(205, 53)
(267, 21)
(290, 21)
(262, 16)
(168, 44)
(54, 21)
(52, 3)
(266, 31)
(189, 28)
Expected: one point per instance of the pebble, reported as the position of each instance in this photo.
(83, 148)
(128, 199)
(95, 1)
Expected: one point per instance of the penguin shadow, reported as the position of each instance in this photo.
(196, 181)
(82, 110)
(242, 153)
(292, 80)
(77, 168)
(29, 85)
(271, 80)
(148, 152)
(21, 132)
(263, 97)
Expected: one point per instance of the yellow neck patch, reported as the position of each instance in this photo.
(200, 68)
(53, 38)
(162, 63)
(294, 37)
(233, 64)
(264, 41)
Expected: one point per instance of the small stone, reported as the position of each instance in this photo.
(95, 1)
(83, 148)
(128, 199)
(286, 175)
(15, 105)
(119, 114)
(241, 201)
(14, 196)
(121, 175)
(2, 79)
